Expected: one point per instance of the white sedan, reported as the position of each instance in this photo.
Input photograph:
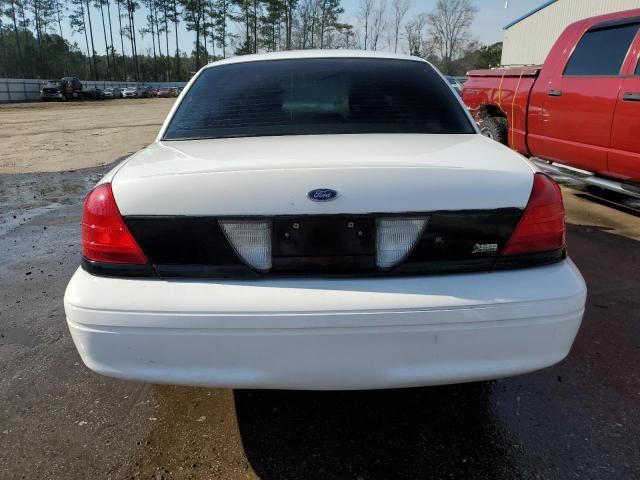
(323, 220)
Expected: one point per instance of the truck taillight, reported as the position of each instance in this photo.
(541, 227)
(105, 237)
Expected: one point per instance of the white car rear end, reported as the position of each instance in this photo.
(323, 220)
(130, 92)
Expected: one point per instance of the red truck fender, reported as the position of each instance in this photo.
(498, 101)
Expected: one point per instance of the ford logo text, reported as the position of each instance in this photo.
(322, 195)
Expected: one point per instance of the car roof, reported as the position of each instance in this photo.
(302, 54)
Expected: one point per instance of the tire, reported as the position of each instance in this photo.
(495, 128)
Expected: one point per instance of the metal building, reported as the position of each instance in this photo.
(528, 39)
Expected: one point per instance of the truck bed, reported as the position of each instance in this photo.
(502, 92)
(516, 71)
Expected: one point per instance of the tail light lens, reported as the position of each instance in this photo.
(105, 237)
(542, 227)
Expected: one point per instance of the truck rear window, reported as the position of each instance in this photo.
(318, 96)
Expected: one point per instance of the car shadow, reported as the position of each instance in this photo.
(436, 432)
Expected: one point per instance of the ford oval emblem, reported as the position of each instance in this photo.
(322, 195)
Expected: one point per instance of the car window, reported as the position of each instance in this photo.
(318, 96)
(602, 51)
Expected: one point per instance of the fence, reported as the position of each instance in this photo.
(28, 89)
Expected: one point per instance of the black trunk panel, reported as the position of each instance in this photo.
(196, 247)
(183, 241)
(462, 236)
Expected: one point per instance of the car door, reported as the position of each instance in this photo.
(581, 99)
(624, 154)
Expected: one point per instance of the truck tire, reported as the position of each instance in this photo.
(496, 128)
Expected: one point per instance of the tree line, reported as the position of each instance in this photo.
(33, 41)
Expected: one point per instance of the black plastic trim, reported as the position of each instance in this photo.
(615, 23)
(531, 260)
(118, 269)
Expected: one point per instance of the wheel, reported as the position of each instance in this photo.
(495, 128)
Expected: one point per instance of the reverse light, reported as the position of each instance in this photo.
(541, 227)
(396, 237)
(251, 240)
(105, 237)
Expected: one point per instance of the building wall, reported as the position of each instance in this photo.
(528, 41)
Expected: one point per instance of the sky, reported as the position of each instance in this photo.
(491, 18)
(487, 28)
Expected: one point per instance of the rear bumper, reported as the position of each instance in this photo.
(327, 334)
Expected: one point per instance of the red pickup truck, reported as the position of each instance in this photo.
(580, 109)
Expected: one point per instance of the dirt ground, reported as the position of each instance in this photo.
(576, 420)
(56, 136)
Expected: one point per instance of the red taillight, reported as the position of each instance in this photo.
(105, 237)
(541, 227)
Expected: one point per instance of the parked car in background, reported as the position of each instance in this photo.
(94, 93)
(323, 220)
(166, 92)
(581, 109)
(140, 91)
(455, 83)
(145, 91)
(130, 92)
(153, 91)
(113, 92)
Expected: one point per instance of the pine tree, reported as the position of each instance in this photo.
(193, 12)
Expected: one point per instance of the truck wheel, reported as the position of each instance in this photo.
(496, 128)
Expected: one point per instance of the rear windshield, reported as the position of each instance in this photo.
(318, 96)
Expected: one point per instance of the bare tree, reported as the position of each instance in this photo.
(400, 9)
(379, 24)
(330, 10)
(449, 28)
(306, 22)
(414, 31)
(290, 7)
(366, 9)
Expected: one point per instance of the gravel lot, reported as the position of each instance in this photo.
(579, 419)
(49, 137)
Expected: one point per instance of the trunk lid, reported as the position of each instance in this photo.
(268, 176)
